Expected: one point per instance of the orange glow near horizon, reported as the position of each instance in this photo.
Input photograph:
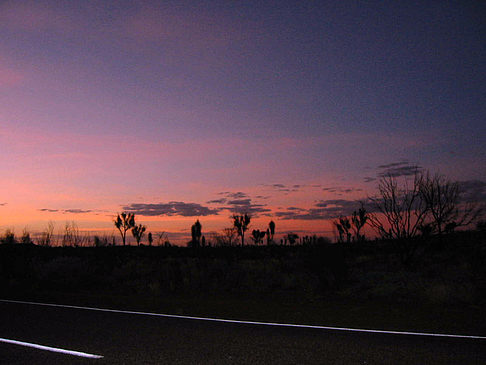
(102, 224)
(192, 112)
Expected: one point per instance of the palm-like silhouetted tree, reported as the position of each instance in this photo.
(343, 226)
(271, 231)
(359, 220)
(257, 236)
(137, 233)
(241, 223)
(124, 222)
(196, 234)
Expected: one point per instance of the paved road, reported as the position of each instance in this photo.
(135, 339)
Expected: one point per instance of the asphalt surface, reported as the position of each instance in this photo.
(137, 339)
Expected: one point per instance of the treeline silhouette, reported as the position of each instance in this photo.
(417, 255)
(71, 236)
(426, 206)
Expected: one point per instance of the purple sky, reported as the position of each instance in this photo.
(107, 104)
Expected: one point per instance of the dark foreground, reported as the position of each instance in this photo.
(130, 339)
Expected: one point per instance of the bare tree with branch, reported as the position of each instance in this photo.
(227, 238)
(47, 236)
(442, 199)
(163, 239)
(72, 237)
(400, 210)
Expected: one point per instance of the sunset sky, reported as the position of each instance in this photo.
(185, 110)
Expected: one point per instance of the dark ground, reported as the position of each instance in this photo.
(132, 339)
(441, 289)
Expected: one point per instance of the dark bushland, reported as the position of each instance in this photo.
(165, 270)
(442, 270)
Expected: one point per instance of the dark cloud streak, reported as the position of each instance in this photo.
(397, 169)
(241, 206)
(217, 201)
(66, 211)
(77, 211)
(369, 179)
(341, 190)
(234, 195)
(323, 209)
(170, 209)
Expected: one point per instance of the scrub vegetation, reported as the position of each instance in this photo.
(280, 282)
(417, 260)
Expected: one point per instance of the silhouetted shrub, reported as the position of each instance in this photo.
(25, 239)
(100, 241)
(8, 237)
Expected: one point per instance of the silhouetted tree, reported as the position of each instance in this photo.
(150, 238)
(359, 220)
(196, 234)
(426, 229)
(71, 236)
(343, 226)
(124, 222)
(9, 237)
(442, 199)
(340, 230)
(308, 240)
(228, 237)
(25, 239)
(292, 238)
(401, 213)
(138, 232)
(47, 236)
(163, 239)
(401, 210)
(271, 227)
(257, 236)
(241, 223)
(100, 241)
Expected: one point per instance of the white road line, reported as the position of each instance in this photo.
(250, 322)
(52, 349)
